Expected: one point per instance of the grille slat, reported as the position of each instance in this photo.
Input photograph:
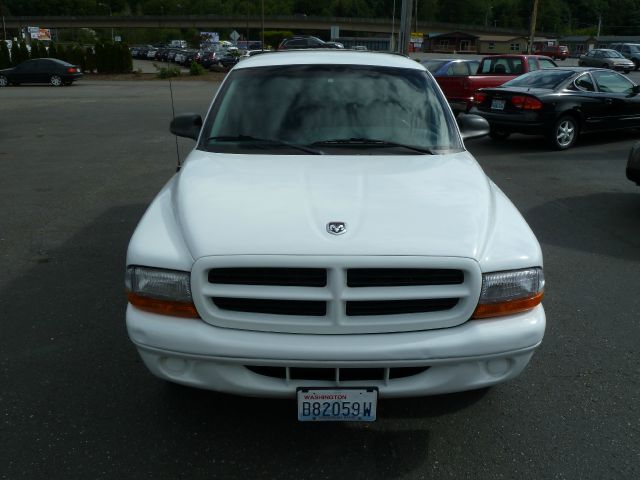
(401, 277)
(300, 277)
(274, 307)
(399, 307)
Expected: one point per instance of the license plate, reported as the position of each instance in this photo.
(337, 405)
(497, 104)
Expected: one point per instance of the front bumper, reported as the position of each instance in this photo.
(477, 354)
(528, 123)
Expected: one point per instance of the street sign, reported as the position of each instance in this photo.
(234, 36)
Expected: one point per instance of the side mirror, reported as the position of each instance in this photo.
(472, 126)
(187, 125)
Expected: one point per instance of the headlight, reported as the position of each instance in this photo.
(504, 293)
(166, 292)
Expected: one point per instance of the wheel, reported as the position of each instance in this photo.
(637, 62)
(564, 133)
(4, 81)
(55, 80)
(498, 134)
(606, 65)
(627, 70)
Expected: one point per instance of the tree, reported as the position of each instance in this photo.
(24, 52)
(35, 49)
(5, 58)
(53, 50)
(15, 54)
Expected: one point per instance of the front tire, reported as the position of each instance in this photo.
(4, 81)
(564, 133)
(55, 80)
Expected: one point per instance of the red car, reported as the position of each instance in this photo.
(554, 51)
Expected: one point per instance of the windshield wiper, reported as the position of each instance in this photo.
(368, 142)
(273, 143)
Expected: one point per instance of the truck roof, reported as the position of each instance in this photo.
(330, 56)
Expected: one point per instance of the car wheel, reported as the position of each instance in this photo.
(627, 70)
(498, 134)
(4, 81)
(564, 133)
(637, 63)
(55, 80)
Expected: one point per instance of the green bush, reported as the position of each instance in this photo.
(196, 69)
(24, 52)
(168, 72)
(15, 54)
(5, 58)
(53, 50)
(35, 49)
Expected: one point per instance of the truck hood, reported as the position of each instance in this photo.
(280, 205)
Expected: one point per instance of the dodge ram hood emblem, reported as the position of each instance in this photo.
(336, 228)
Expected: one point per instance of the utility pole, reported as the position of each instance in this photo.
(532, 31)
(262, 20)
(109, 7)
(4, 29)
(599, 24)
(405, 26)
(392, 43)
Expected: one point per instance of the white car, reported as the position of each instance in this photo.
(392, 266)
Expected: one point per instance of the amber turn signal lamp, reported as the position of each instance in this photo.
(488, 310)
(163, 307)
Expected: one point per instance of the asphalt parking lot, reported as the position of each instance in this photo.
(80, 164)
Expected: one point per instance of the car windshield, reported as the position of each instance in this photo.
(433, 65)
(329, 107)
(548, 78)
(634, 48)
(611, 54)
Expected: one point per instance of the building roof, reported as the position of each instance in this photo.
(456, 34)
(499, 38)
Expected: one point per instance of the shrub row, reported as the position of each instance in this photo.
(103, 57)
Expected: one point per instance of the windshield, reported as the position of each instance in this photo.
(549, 78)
(433, 65)
(611, 54)
(634, 48)
(337, 106)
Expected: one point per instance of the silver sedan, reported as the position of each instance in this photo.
(606, 58)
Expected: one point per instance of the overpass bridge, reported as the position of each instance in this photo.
(296, 23)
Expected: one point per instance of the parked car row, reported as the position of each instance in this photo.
(207, 57)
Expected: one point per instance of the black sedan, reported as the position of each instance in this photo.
(41, 70)
(560, 103)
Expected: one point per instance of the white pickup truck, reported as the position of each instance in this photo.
(330, 238)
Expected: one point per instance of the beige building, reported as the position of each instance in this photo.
(501, 44)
